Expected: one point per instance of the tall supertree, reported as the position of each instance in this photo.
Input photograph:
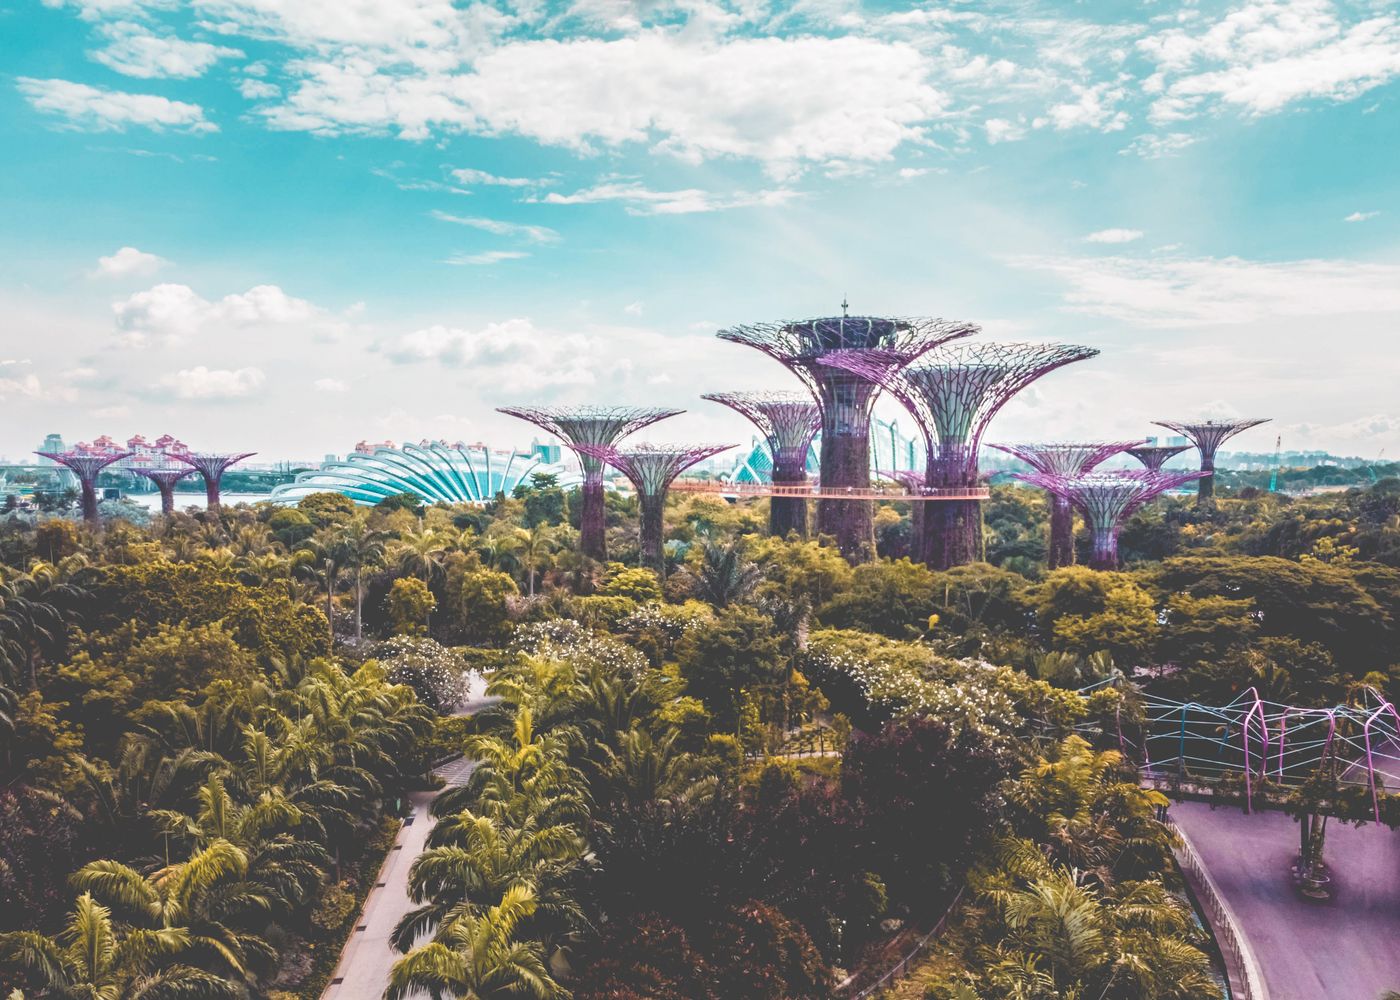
(165, 477)
(1106, 498)
(652, 468)
(1154, 456)
(845, 398)
(86, 463)
(953, 394)
(591, 427)
(1208, 436)
(788, 422)
(212, 466)
(1069, 459)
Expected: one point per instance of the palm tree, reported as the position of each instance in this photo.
(475, 956)
(91, 959)
(359, 547)
(724, 575)
(527, 773)
(536, 544)
(422, 553)
(33, 621)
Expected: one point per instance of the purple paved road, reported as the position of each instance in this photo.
(1346, 949)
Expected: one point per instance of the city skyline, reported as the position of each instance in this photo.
(264, 225)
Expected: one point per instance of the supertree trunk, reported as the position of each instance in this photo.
(167, 497)
(593, 517)
(1061, 552)
(788, 514)
(1205, 486)
(211, 494)
(1104, 554)
(918, 530)
(845, 464)
(953, 533)
(89, 503)
(653, 530)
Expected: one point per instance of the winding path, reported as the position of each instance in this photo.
(363, 971)
(1345, 949)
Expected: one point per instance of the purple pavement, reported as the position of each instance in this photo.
(1345, 949)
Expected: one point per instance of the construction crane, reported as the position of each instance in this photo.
(1371, 469)
(1278, 452)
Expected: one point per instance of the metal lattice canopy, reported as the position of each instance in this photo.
(954, 392)
(651, 468)
(590, 427)
(911, 479)
(1209, 435)
(845, 397)
(1107, 497)
(788, 421)
(167, 474)
(1157, 455)
(85, 464)
(212, 465)
(1065, 458)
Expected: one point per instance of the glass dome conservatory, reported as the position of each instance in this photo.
(435, 471)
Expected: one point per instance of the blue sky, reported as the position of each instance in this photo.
(292, 224)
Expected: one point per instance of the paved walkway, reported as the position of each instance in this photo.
(363, 972)
(1345, 949)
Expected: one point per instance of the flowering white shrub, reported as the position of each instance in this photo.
(438, 675)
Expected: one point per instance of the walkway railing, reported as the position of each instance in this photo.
(1246, 981)
(902, 967)
(812, 491)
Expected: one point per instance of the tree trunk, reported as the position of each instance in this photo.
(330, 600)
(1061, 533)
(211, 495)
(788, 514)
(167, 497)
(90, 504)
(952, 533)
(359, 602)
(593, 519)
(846, 465)
(653, 530)
(1205, 486)
(1105, 551)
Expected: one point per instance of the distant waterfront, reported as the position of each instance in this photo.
(183, 500)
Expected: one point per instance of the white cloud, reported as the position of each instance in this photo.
(468, 176)
(486, 257)
(27, 387)
(909, 173)
(535, 234)
(515, 352)
(1114, 236)
(633, 309)
(1151, 146)
(134, 51)
(257, 90)
(1360, 216)
(1206, 291)
(1002, 130)
(641, 200)
(94, 109)
(1095, 107)
(331, 385)
(172, 313)
(129, 262)
(202, 382)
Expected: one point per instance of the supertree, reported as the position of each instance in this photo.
(1106, 499)
(165, 477)
(1208, 436)
(953, 394)
(591, 427)
(652, 468)
(845, 398)
(1154, 456)
(86, 463)
(788, 422)
(1068, 459)
(212, 466)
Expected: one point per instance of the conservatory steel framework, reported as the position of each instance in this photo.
(845, 397)
(435, 471)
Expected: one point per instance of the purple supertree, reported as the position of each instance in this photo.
(1154, 456)
(1068, 459)
(212, 466)
(165, 478)
(1208, 436)
(953, 394)
(788, 422)
(652, 468)
(845, 398)
(86, 464)
(1106, 499)
(591, 427)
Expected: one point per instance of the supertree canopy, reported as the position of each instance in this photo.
(1106, 499)
(1068, 459)
(165, 478)
(953, 394)
(845, 398)
(86, 463)
(212, 466)
(1154, 456)
(788, 422)
(1208, 436)
(651, 468)
(585, 429)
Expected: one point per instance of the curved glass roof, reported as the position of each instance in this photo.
(435, 471)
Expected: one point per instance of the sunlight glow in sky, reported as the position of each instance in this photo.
(287, 225)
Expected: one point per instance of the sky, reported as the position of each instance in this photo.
(290, 225)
